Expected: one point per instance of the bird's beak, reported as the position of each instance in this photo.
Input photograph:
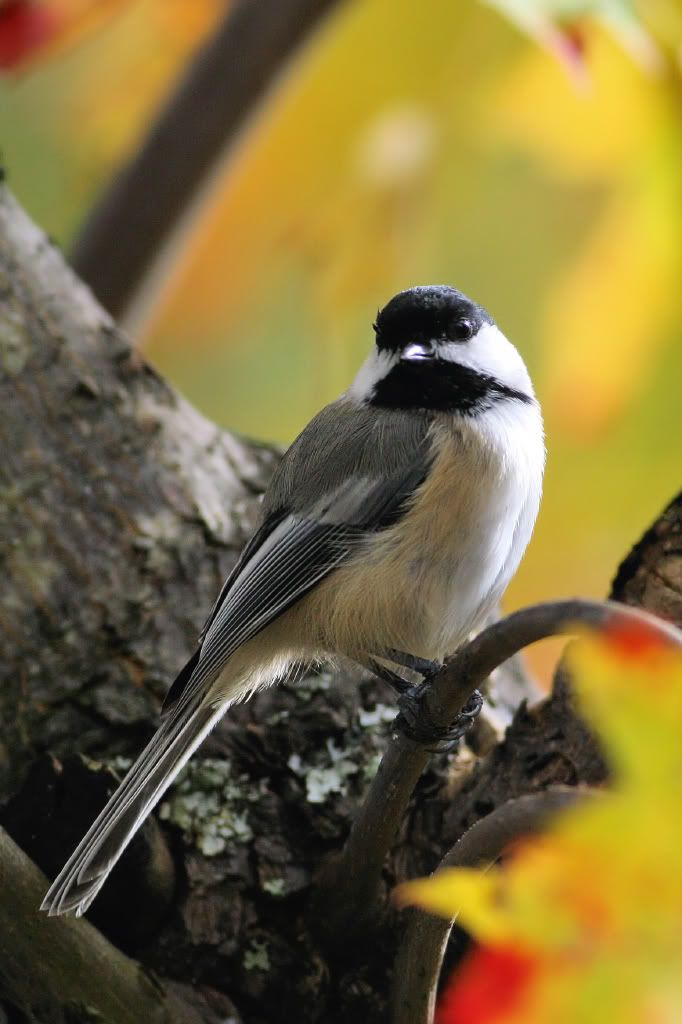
(417, 353)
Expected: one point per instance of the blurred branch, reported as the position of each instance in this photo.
(356, 872)
(222, 86)
(55, 963)
(420, 956)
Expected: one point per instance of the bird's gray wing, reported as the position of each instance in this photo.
(343, 478)
(259, 537)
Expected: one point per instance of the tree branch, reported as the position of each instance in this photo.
(50, 964)
(224, 83)
(420, 956)
(357, 870)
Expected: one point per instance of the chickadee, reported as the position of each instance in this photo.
(390, 530)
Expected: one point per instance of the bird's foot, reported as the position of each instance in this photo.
(437, 738)
(422, 666)
(418, 666)
(387, 675)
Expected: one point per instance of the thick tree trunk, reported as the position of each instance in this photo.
(122, 509)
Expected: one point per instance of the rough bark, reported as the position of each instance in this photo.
(122, 509)
(651, 575)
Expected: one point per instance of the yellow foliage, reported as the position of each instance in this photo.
(409, 143)
(589, 133)
(609, 312)
(612, 306)
(597, 900)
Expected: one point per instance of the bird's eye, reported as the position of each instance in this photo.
(462, 330)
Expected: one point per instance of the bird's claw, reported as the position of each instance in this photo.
(413, 723)
(399, 684)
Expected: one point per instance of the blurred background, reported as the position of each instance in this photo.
(527, 152)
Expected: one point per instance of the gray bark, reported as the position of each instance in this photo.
(122, 508)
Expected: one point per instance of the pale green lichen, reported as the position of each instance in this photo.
(378, 715)
(276, 718)
(328, 775)
(118, 764)
(26, 561)
(15, 349)
(274, 887)
(371, 767)
(316, 682)
(332, 767)
(210, 805)
(256, 958)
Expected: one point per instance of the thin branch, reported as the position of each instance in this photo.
(420, 956)
(350, 884)
(58, 962)
(506, 689)
(221, 88)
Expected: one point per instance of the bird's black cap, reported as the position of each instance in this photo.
(428, 312)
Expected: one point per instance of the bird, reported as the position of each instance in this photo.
(388, 533)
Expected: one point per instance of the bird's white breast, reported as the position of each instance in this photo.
(422, 585)
(468, 529)
(501, 455)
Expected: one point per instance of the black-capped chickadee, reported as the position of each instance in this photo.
(390, 530)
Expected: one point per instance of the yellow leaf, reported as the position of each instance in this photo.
(610, 308)
(580, 134)
(601, 891)
(465, 891)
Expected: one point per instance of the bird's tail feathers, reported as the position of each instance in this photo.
(170, 748)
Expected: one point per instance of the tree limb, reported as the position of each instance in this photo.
(222, 86)
(60, 966)
(420, 956)
(357, 870)
(122, 510)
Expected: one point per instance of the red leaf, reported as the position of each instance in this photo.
(24, 27)
(490, 983)
(635, 641)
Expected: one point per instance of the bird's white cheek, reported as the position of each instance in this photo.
(489, 352)
(496, 356)
(375, 368)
